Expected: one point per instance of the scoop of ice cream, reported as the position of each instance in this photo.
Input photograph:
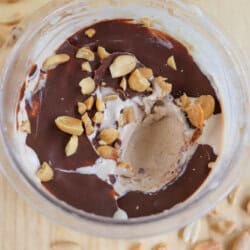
(157, 149)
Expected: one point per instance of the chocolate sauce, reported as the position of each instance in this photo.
(62, 92)
(85, 192)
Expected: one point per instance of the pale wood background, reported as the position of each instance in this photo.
(22, 228)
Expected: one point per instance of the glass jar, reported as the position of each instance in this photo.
(217, 57)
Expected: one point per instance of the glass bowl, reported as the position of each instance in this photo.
(222, 62)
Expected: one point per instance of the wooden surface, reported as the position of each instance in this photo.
(22, 228)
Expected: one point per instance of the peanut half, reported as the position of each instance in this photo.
(85, 53)
(109, 135)
(45, 173)
(138, 82)
(123, 84)
(89, 102)
(82, 108)
(102, 53)
(90, 32)
(88, 124)
(69, 125)
(86, 67)
(87, 85)
(195, 115)
(108, 152)
(100, 105)
(71, 146)
(122, 65)
(171, 63)
(26, 127)
(98, 118)
(166, 87)
(111, 97)
(147, 22)
(146, 72)
(207, 103)
(127, 116)
(55, 60)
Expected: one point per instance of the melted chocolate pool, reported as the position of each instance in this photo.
(62, 92)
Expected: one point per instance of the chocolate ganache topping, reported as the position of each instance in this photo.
(114, 68)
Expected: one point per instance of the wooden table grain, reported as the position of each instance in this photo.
(23, 228)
